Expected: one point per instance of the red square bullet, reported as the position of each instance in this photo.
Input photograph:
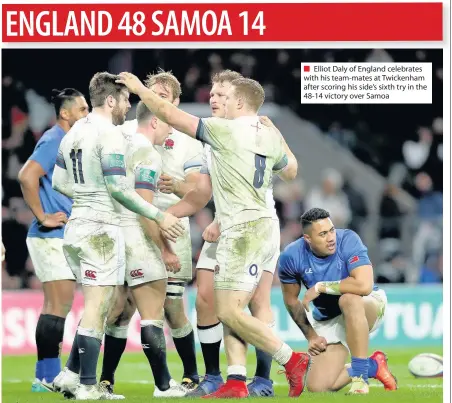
(306, 69)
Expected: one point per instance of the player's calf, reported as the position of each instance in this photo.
(260, 308)
(357, 333)
(58, 297)
(210, 330)
(98, 301)
(116, 330)
(182, 332)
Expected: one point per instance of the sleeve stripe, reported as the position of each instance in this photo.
(60, 162)
(200, 131)
(145, 185)
(281, 164)
(205, 170)
(114, 171)
(194, 164)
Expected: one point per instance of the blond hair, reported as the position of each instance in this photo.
(225, 76)
(167, 79)
(249, 89)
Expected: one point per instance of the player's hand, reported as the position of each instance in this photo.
(171, 261)
(317, 345)
(171, 227)
(131, 81)
(55, 220)
(212, 232)
(167, 184)
(265, 120)
(309, 296)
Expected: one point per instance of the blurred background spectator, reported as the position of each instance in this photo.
(399, 144)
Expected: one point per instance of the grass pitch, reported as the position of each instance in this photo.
(134, 380)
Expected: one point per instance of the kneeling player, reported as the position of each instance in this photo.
(335, 268)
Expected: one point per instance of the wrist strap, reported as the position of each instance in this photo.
(330, 287)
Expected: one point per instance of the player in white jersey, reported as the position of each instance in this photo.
(91, 169)
(181, 157)
(209, 329)
(244, 156)
(146, 274)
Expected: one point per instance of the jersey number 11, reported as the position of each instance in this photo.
(76, 158)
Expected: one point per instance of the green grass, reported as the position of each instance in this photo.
(134, 380)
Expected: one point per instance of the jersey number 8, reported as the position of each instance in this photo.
(260, 164)
(76, 158)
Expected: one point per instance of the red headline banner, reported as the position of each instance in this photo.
(222, 22)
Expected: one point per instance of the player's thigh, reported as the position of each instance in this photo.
(326, 367)
(49, 260)
(205, 269)
(261, 297)
(242, 251)
(98, 302)
(150, 298)
(118, 304)
(183, 249)
(144, 262)
(375, 306)
(333, 330)
(101, 252)
(274, 245)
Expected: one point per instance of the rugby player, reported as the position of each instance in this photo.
(210, 330)
(244, 156)
(146, 273)
(91, 167)
(45, 236)
(182, 159)
(334, 267)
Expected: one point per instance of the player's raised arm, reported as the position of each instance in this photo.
(361, 280)
(164, 110)
(111, 149)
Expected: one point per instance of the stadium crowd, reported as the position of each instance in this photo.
(402, 142)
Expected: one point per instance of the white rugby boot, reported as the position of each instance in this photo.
(66, 382)
(175, 390)
(95, 392)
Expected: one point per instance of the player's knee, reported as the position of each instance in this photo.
(57, 308)
(204, 301)
(260, 303)
(350, 302)
(117, 310)
(318, 387)
(117, 331)
(227, 315)
(174, 305)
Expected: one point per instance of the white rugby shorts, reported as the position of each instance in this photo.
(143, 258)
(48, 259)
(182, 248)
(243, 252)
(95, 252)
(207, 257)
(334, 329)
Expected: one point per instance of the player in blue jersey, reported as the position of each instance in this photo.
(45, 235)
(346, 307)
